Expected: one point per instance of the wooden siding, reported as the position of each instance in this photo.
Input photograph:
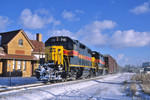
(1, 68)
(15, 48)
(17, 72)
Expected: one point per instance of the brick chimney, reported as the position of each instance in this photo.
(39, 37)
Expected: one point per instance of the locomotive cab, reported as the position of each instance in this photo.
(54, 54)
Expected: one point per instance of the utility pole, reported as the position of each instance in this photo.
(39, 54)
(9, 74)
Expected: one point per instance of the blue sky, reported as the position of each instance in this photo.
(120, 28)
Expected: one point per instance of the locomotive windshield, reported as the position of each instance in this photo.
(55, 41)
(66, 42)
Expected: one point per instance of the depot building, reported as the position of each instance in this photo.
(19, 55)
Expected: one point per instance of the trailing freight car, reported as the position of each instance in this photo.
(111, 64)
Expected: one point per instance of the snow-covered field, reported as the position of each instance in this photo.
(110, 87)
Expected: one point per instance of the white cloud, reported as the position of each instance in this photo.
(42, 11)
(130, 38)
(70, 16)
(79, 11)
(125, 61)
(34, 20)
(4, 22)
(30, 35)
(98, 14)
(144, 8)
(120, 57)
(62, 32)
(112, 2)
(122, 60)
(93, 32)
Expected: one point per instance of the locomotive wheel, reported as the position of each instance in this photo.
(79, 73)
(64, 80)
(52, 81)
(64, 75)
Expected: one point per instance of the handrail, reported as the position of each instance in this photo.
(68, 62)
(65, 64)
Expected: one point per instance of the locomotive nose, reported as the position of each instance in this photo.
(54, 54)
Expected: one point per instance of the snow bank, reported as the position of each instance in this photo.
(5, 81)
(109, 87)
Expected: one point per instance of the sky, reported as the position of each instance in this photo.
(120, 28)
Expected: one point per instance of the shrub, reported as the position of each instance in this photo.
(133, 88)
(146, 88)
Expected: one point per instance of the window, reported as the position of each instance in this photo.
(20, 42)
(19, 65)
(70, 45)
(24, 65)
(89, 51)
(14, 63)
(75, 47)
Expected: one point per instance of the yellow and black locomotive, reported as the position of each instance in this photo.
(69, 59)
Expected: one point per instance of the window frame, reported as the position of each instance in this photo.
(18, 65)
(24, 65)
(14, 64)
(20, 42)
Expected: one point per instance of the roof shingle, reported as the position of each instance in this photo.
(8, 36)
(38, 46)
(4, 55)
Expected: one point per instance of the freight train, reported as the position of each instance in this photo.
(67, 58)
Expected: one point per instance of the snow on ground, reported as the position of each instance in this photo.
(110, 87)
(5, 81)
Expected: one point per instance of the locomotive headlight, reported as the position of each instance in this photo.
(60, 67)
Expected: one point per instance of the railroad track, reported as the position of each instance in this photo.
(4, 90)
(10, 88)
